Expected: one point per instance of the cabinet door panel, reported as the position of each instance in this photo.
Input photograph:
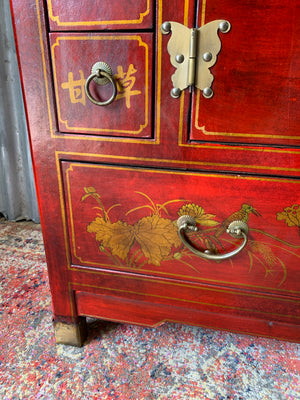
(257, 75)
(124, 218)
(99, 14)
(130, 57)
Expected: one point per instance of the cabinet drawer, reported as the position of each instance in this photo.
(99, 14)
(130, 58)
(124, 219)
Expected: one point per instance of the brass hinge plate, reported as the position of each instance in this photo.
(192, 53)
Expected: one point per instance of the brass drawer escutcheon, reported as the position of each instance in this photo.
(102, 75)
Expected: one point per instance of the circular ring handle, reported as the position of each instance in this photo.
(99, 74)
(237, 229)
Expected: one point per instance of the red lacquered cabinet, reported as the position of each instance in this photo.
(166, 145)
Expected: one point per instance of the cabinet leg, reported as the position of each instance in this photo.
(70, 333)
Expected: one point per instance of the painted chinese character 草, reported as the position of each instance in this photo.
(125, 83)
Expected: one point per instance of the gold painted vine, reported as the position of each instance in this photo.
(156, 239)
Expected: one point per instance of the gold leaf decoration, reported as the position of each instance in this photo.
(156, 236)
(118, 237)
(154, 239)
(265, 253)
(198, 214)
(291, 215)
(90, 189)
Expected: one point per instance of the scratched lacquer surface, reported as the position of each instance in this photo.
(130, 57)
(131, 225)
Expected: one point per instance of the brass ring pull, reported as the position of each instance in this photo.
(101, 77)
(237, 229)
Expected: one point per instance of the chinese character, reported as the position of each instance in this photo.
(76, 88)
(125, 84)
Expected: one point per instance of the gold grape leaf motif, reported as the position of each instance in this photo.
(291, 215)
(153, 238)
(118, 237)
(156, 236)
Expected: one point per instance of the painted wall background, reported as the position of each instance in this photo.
(17, 190)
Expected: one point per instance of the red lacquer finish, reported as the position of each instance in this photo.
(113, 180)
(132, 226)
(257, 84)
(100, 14)
(130, 58)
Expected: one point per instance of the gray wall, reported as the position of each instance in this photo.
(17, 190)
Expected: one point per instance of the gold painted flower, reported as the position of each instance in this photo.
(291, 215)
(198, 214)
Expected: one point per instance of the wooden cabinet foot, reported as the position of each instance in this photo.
(73, 334)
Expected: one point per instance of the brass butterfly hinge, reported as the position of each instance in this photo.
(192, 53)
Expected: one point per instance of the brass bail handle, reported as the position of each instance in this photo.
(102, 75)
(237, 229)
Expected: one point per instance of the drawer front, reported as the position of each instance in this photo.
(99, 14)
(124, 218)
(130, 58)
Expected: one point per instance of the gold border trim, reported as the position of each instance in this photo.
(182, 162)
(195, 301)
(149, 170)
(90, 23)
(229, 134)
(102, 38)
(44, 64)
(61, 135)
(160, 281)
(233, 134)
(214, 327)
(156, 139)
